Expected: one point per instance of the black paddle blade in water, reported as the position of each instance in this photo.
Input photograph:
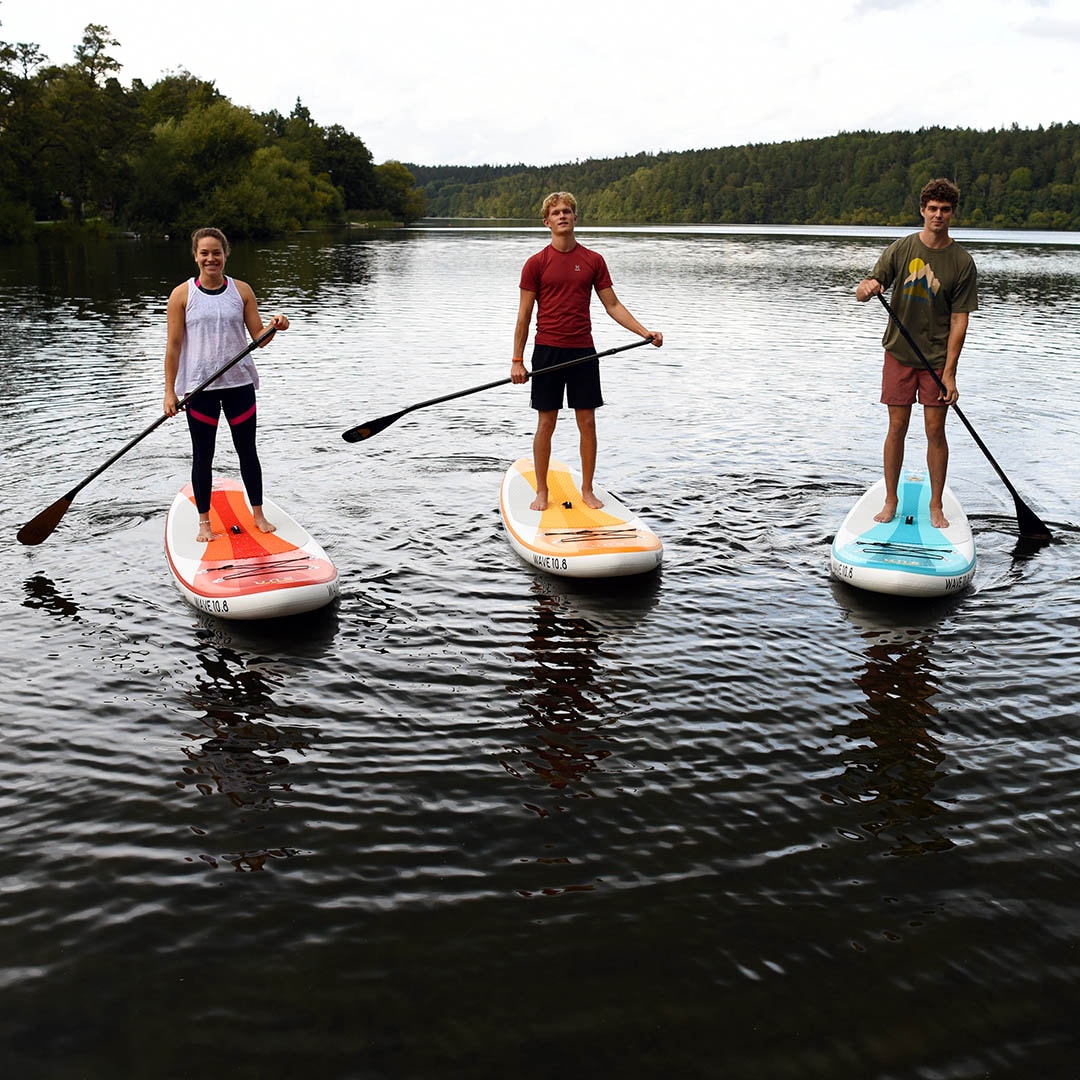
(41, 528)
(1031, 525)
(372, 427)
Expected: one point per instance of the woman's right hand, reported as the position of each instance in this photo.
(171, 405)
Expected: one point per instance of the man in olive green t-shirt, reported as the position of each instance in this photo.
(934, 289)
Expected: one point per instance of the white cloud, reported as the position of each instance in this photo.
(497, 83)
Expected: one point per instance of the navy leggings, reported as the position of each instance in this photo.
(203, 411)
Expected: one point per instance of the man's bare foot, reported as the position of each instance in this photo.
(540, 502)
(261, 523)
(206, 532)
(938, 518)
(887, 512)
(590, 500)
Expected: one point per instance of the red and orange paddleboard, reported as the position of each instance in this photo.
(244, 573)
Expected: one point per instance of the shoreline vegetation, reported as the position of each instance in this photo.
(82, 154)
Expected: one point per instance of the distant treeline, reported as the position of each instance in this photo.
(77, 149)
(1011, 178)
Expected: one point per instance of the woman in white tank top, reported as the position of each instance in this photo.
(209, 320)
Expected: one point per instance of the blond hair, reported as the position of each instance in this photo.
(557, 197)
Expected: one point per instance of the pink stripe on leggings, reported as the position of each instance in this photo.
(243, 416)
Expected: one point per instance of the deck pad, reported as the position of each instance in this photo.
(244, 573)
(906, 556)
(568, 537)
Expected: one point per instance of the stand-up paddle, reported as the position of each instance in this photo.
(373, 427)
(1031, 526)
(41, 527)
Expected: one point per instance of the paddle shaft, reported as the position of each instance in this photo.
(182, 404)
(373, 427)
(1029, 522)
(39, 529)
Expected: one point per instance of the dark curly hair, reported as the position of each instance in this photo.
(940, 190)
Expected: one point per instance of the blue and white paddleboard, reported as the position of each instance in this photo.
(906, 556)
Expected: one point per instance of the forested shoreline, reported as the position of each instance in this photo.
(80, 151)
(1011, 178)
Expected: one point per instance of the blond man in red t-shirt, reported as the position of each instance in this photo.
(559, 282)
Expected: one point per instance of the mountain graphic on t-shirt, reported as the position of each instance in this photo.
(921, 283)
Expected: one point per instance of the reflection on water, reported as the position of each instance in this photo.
(488, 805)
(242, 750)
(41, 593)
(567, 681)
(243, 755)
(893, 753)
(563, 700)
(894, 759)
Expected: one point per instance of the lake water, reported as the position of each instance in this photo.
(728, 820)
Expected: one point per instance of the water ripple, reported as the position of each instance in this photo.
(703, 812)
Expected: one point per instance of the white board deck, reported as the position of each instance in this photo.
(569, 538)
(906, 556)
(244, 573)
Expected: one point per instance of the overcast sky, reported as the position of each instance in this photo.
(494, 82)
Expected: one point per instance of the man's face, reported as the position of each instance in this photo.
(560, 217)
(937, 215)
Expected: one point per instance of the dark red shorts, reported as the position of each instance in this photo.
(903, 385)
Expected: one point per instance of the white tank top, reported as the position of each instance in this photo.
(214, 332)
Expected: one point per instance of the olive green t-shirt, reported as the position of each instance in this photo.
(929, 284)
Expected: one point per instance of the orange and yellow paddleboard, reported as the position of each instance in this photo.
(244, 573)
(570, 538)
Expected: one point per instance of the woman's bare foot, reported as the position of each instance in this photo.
(938, 518)
(590, 500)
(206, 532)
(260, 521)
(540, 502)
(887, 512)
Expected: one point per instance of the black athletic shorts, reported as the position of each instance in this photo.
(581, 381)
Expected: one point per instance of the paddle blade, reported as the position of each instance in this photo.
(41, 528)
(1031, 526)
(372, 427)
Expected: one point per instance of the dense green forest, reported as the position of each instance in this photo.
(1011, 178)
(78, 149)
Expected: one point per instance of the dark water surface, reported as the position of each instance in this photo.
(728, 820)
